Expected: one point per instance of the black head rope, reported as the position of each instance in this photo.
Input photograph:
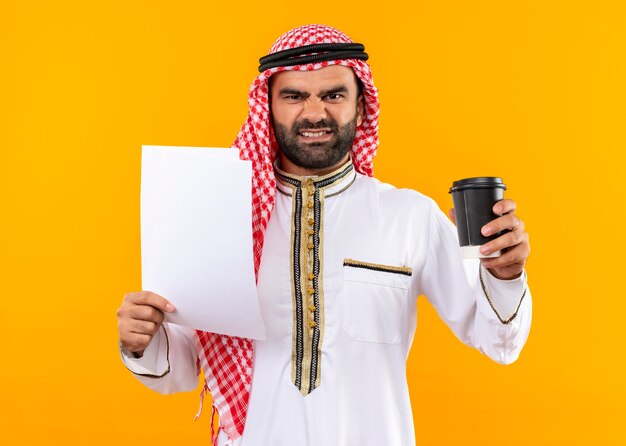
(312, 54)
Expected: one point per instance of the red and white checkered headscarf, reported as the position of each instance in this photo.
(227, 360)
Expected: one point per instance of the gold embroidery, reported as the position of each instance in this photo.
(306, 268)
(307, 272)
(388, 268)
(511, 317)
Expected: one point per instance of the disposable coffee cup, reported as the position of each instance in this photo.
(473, 200)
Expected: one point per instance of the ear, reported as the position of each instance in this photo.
(360, 110)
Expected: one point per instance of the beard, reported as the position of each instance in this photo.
(315, 155)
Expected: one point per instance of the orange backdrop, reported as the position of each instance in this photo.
(532, 91)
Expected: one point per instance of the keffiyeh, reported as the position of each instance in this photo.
(227, 360)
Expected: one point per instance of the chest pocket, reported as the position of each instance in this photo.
(375, 297)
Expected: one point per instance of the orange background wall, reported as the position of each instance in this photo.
(533, 91)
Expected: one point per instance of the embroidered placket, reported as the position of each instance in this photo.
(308, 300)
(307, 273)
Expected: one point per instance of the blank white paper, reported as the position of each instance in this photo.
(196, 238)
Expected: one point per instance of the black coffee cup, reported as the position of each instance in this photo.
(473, 200)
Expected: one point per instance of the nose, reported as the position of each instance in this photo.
(313, 110)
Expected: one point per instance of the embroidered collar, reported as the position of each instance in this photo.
(331, 184)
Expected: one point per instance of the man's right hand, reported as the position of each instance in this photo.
(138, 319)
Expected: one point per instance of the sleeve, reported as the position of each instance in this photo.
(169, 363)
(484, 312)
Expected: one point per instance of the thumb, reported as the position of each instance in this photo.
(154, 300)
(452, 215)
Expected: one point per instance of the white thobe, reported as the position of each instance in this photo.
(338, 284)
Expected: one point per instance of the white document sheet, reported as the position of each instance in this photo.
(196, 238)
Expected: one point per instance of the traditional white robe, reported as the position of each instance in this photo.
(344, 259)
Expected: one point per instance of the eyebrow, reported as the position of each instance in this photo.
(294, 91)
(289, 91)
(335, 90)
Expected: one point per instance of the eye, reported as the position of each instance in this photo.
(334, 96)
(292, 97)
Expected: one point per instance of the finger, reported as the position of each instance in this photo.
(512, 257)
(134, 342)
(508, 240)
(515, 255)
(504, 206)
(452, 215)
(134, 326)
(151, 299)
(143, 327)
(510, 222)
(145, 313)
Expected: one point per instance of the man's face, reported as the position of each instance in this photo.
(315, 115)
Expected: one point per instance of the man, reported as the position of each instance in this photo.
(343, 259)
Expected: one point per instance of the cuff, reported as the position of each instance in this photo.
(155, 362)
(504, 296)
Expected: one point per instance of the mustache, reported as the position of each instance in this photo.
(308, 125)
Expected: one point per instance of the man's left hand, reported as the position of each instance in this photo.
(513, 243)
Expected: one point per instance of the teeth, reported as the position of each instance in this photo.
(312, 134)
